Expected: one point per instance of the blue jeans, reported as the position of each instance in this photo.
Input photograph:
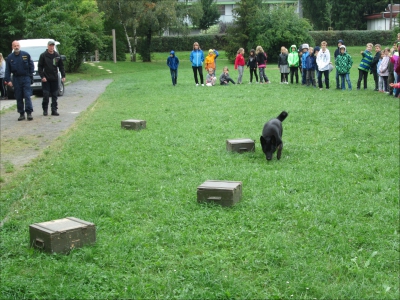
(346, 77)
(337, 79)
(174, 75)
(22, 89)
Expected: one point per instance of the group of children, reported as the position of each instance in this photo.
(312, 62)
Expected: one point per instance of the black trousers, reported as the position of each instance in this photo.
(50, 88)
(253, 70)
(200, 70)
(362, 75)
(294, 71)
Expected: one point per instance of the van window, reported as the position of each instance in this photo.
(34, 51)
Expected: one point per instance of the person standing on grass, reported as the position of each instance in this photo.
(239, 64)
(374, 66)
(197, 58)
(262, 63)
(343, 64)
(310, 67)
(173, 64)
(20, 64)
(252, 64)
(48, 65)
(293, 61)
(336, 54)
(384, 71)
(3, 90)
(210, 60)
(323, 62)
(283, 65)
(304, 56)
(390, 71)
(365, 66)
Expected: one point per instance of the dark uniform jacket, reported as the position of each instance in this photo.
(19, 65)
(49, 64)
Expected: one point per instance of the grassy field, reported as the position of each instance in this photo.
(321, 223)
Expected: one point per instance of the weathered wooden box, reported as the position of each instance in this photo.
(133, 124)
(60, 236)
(240, 145)
(225, 193)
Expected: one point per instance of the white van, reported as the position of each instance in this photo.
(35, 47)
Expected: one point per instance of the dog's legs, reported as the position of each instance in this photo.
(278, 155)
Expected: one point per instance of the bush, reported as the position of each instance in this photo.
(354, 37)
(106, 52)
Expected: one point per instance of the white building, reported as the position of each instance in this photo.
(226, 7)
(386, 20)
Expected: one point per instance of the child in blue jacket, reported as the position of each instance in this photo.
(303, 63)
(311, 65)
(173, 63)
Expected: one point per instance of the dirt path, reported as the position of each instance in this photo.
(22, 141)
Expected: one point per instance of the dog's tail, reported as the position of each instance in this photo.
(282, 116)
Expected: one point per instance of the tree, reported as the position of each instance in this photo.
(155, 17)
(126, 14)
(76, 24)
(145, 18)
(345, 14)
(210, 14)
(238, 34)
(278, 26)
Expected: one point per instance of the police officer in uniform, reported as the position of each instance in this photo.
(49, 64)
(20, 64)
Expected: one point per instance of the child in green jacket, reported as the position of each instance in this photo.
(293, 61)
(343, 64)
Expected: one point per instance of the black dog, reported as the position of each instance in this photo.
(271, 138)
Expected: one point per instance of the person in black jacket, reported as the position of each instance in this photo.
(374, 65)
(252, 64)
(49, 64)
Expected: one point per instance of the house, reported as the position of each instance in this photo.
(386, 20)
(226, 7)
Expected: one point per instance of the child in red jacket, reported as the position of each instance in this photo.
(239, 64)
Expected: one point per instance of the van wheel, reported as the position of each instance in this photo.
(61, 89)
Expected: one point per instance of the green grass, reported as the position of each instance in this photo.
(320, 223)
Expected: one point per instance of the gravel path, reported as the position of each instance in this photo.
(22, 141)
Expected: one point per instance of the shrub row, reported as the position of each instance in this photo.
(350, 37)
(355, 37)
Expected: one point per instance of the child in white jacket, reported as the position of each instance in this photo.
(323, 62)
(383, 71)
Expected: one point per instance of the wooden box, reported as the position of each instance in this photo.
(240, 145)
(133, 124)
(225, 193)
(60, 236)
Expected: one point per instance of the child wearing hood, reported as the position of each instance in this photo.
(305, 54)
(310, 67)
(210, 60)
(173, 63)
(343, 64)
(293, 61)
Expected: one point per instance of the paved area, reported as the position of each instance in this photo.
(22, 141)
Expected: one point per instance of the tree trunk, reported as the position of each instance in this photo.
(133, 58)
(129, 42)
(147, 55)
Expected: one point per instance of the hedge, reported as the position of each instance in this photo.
(355, 37)
(350, 37)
